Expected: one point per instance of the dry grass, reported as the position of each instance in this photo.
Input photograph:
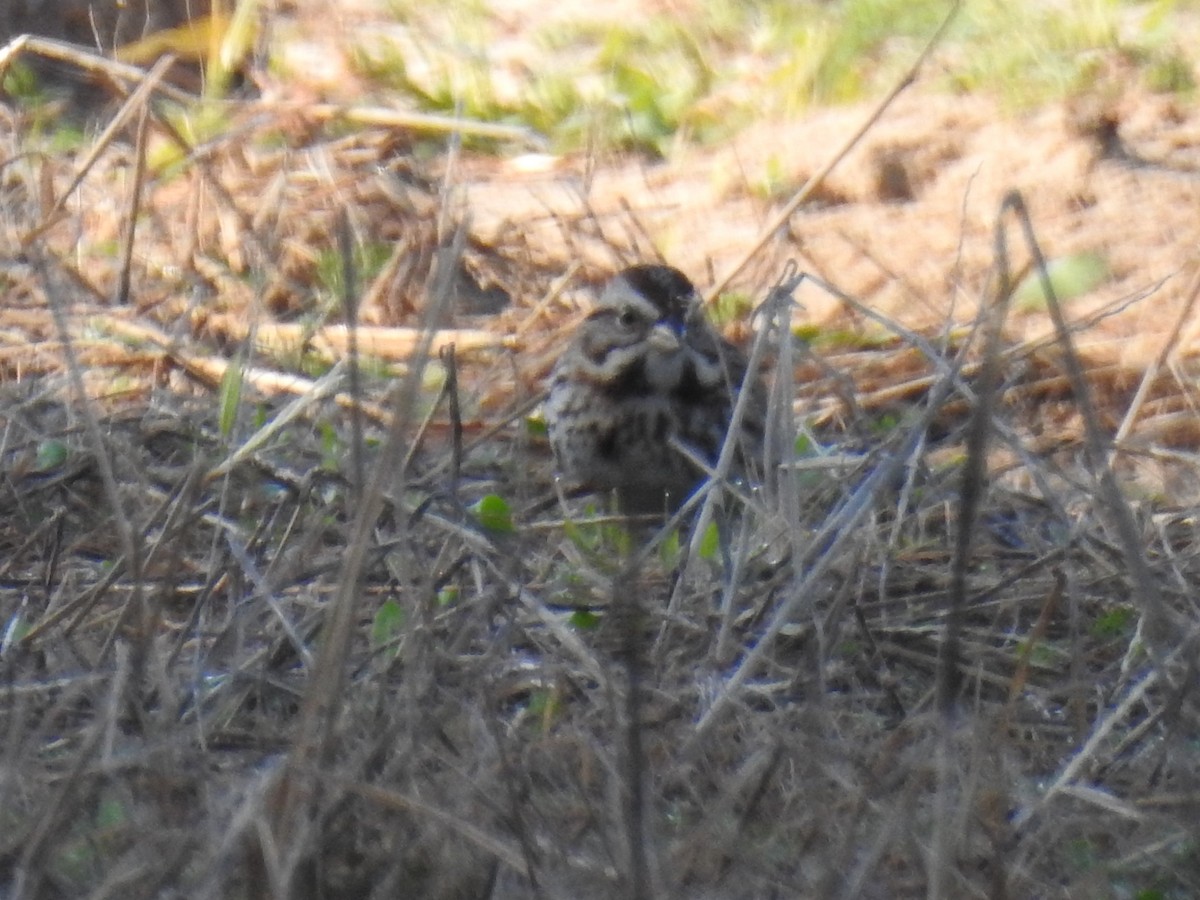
(179, 532)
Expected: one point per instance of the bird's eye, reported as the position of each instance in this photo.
(628, 318)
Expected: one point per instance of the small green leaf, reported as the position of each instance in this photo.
(230, 396)
(545, 704)
(618, 537)
(51, 454)
(433, 377)
(1070, 277)
(330, 444)
(447, 596)
(387, 622)
(110, 813)
(584, 619)
(669, 550)
(494, 514)
(1114, 623)
(806, 334)
(535, 425)
(711, 542)
(886, 423)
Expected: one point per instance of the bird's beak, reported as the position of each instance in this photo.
(664, 339)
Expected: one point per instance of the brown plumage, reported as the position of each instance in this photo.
(646, 367)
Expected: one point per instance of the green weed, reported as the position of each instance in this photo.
(700, 75)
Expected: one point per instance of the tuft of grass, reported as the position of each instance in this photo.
(1171, 73)
(197, 124)
(20, 84)
(601, 542)
(369, 259)
(700, 74)
(1115, 623)
(731, 306)
(21, 87)
(1029, 54)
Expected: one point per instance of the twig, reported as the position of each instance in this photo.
(350, 308)
(1103, 728)
(1151, 373)
(394, 118)
(468, 831)
(1145, 589)
(782, 292)
(813, 182)
(322, 388)
(974, 472)
(322, 699)
(332, 341)
(130, 539)
(137, 101)
(627, 616)
(821, 554)
(135, 204)
(87, 60)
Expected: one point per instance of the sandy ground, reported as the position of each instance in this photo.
(905, 224)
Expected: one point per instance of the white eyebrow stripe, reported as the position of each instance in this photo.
(620, 294)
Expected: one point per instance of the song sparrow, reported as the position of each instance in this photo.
(646, 367)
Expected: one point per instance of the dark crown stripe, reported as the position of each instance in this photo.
(664, 286)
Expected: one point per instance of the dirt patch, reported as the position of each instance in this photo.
(905, 224)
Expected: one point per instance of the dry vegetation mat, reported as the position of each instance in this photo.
(290, 606)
